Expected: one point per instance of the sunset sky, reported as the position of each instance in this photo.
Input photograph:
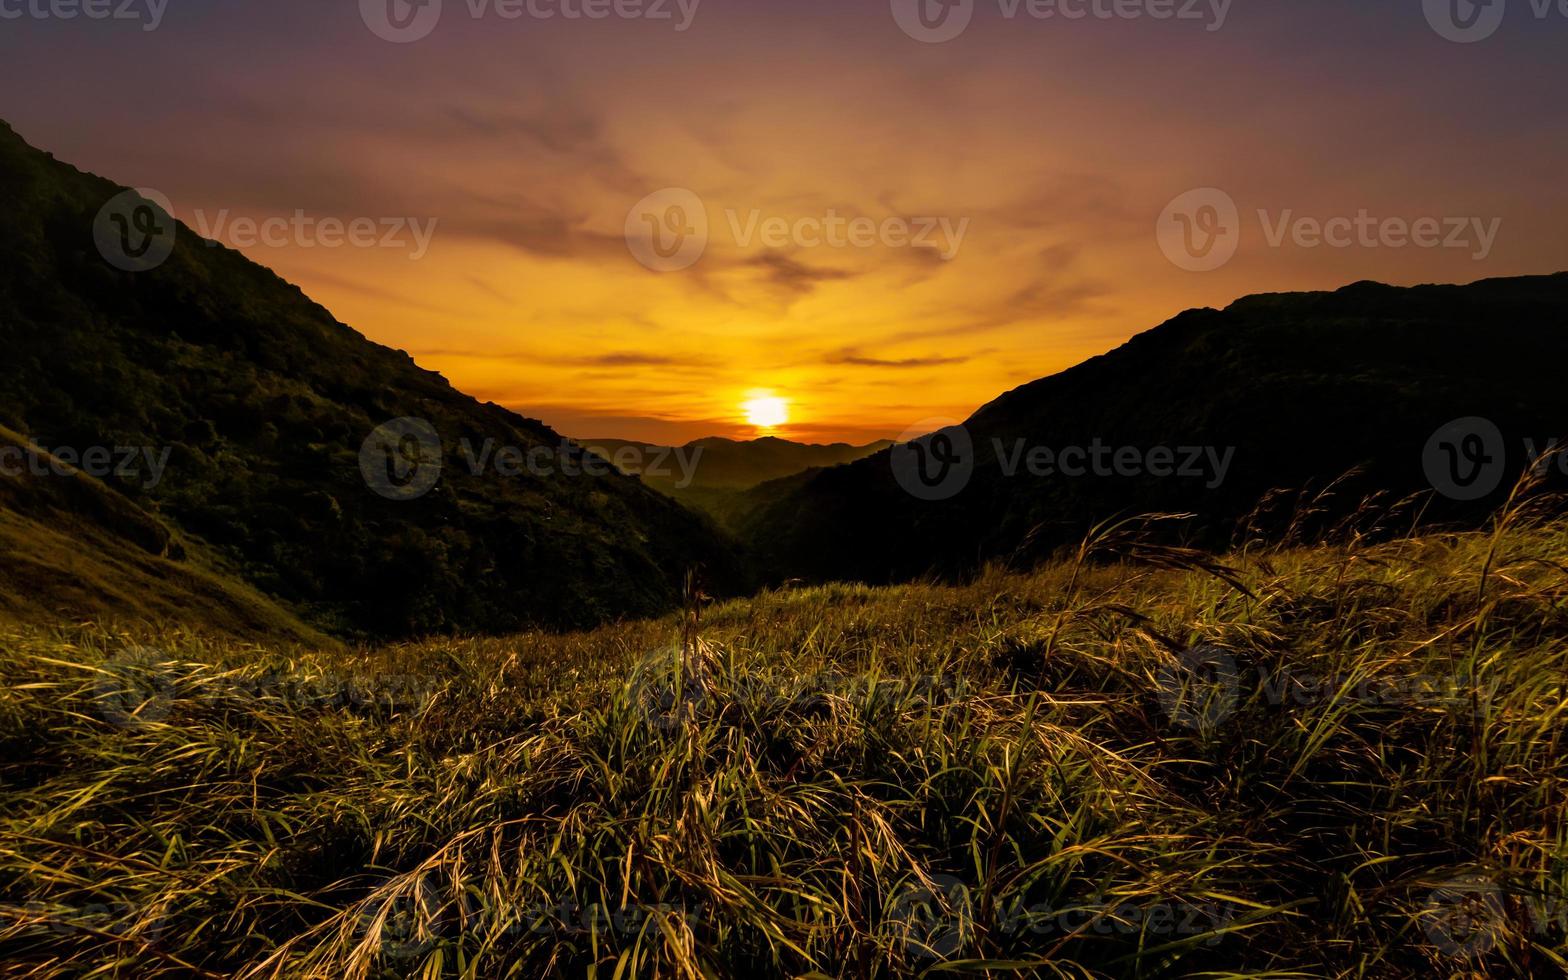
(1054, 144)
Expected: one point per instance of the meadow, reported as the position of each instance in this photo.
(1337, 758)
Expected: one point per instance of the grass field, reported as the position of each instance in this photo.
(1335, 760)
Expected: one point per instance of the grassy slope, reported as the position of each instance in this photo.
(76, 551)
(1050, 800)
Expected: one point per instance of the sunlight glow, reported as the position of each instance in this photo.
(766, 411)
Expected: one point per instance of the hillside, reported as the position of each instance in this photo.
(77, 551)
(1275, 392)
(259, 406)
(1346, 764)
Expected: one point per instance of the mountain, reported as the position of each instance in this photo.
(717, 463)
(330, 474)
(711, 475)
(1446, 390)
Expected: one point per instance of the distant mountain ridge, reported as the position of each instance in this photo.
(716, 462)
(719, 477)
(1279, 391)
(265, 408)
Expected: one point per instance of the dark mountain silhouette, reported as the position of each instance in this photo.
(712, 474)
(727, 463)
(264, 404)
(1302, 387)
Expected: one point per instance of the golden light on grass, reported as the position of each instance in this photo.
(766, 410)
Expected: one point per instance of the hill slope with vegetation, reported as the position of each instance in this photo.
(263, 403)
(1288, 392)
(77, 551)
(1337, 760)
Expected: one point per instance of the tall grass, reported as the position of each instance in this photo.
(1342, 759)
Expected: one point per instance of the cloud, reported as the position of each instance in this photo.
(793, 276)
(850, 355)
(605, 360)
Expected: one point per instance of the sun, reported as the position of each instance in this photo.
(766, 411)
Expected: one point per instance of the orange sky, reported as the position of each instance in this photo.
(1054, 146)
